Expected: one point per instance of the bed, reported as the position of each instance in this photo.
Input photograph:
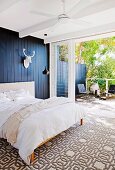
(27, 122)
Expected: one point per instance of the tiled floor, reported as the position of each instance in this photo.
(95, 106)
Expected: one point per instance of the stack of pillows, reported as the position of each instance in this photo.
(14, 95)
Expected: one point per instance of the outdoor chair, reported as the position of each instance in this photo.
(81, 88)
(111, 89)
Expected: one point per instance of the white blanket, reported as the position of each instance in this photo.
(38, 127)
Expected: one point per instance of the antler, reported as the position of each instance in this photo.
(28, 55)
(24, 52)
(33, 54)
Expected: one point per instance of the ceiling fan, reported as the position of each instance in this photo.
(66, 17)
(57, 21)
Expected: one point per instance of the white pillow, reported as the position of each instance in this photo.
(3, 97)
(17, 94)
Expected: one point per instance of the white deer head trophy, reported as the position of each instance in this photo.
(28, 58)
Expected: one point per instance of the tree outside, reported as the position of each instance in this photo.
(99, 57)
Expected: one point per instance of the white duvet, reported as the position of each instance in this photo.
(39, 126)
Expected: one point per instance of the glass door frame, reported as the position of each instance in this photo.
(71, 68)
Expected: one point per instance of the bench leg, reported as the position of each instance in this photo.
(32, 157)
(81, 122)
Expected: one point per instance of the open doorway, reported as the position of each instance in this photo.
(99, 58)
(98, 94)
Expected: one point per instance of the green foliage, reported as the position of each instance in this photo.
(63, 52)
(107, 68)
(102, 84)
(99, 56)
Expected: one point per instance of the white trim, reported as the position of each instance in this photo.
(107, 80)
(106, 87)
(53, 70)
(38, 27)
(71, 70)
(86, 35)
(98, 79)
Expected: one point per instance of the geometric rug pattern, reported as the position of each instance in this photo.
(87, 147)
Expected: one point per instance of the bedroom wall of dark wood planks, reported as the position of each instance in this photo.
(11, 61)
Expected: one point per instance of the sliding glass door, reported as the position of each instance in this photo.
(62, 69)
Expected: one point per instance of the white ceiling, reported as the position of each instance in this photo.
(27, 16)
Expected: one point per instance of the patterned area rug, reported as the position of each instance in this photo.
(87, 147)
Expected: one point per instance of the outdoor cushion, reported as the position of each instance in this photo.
(81, 88)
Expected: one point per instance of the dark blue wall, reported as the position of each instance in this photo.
(62, 77)
(80, 76)
(11, 61)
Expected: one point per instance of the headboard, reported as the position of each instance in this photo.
(28, 86)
